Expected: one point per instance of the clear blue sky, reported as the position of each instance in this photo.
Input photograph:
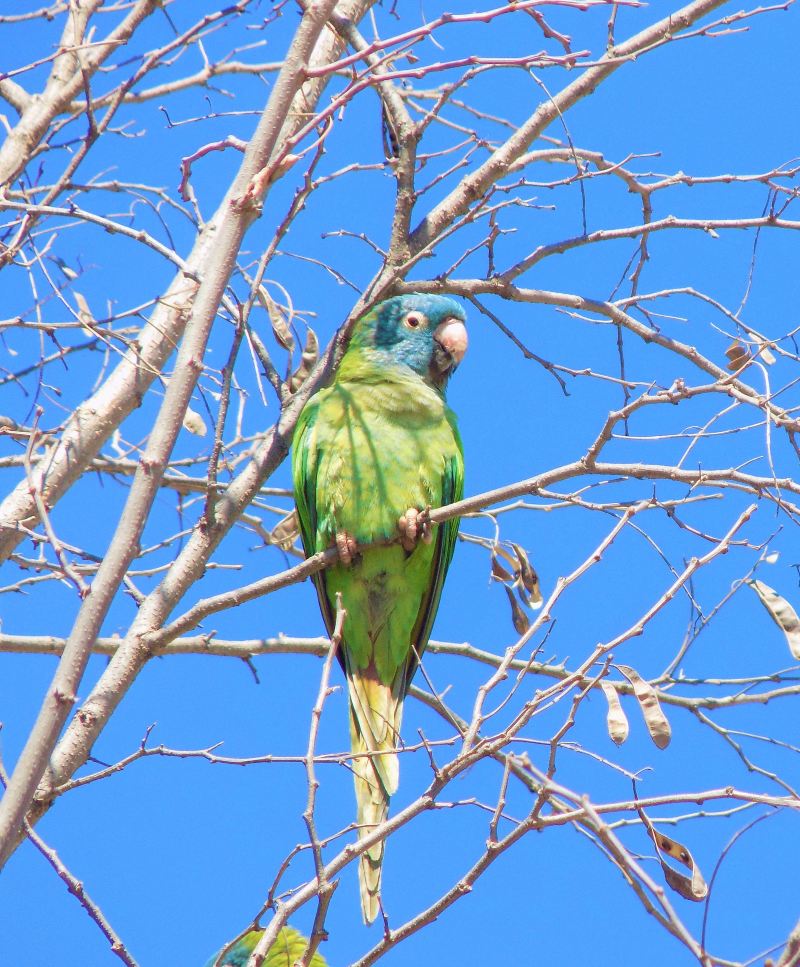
(181, 853)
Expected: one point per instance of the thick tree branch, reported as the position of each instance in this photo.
(237, 213)
(71, 67)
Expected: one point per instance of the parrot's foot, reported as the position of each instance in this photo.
(347, 548)
(413, 526)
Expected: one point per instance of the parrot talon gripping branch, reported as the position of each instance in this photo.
(347, 548)
(369, 450)
(414, 527)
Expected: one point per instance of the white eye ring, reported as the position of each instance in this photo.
(413, 320)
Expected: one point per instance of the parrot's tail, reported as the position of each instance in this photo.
(375, 714)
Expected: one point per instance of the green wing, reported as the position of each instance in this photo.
(446, 536)
(305, 464)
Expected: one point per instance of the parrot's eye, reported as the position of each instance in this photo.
(413, 320)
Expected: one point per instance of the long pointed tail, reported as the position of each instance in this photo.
(373, 808)
(375, 714)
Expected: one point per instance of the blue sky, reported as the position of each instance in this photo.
(180, 853)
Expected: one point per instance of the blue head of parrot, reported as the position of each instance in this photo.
(424, 332)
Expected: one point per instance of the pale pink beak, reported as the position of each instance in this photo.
(452, 337)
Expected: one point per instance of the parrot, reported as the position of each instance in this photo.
(371, 453)
(289, 946)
